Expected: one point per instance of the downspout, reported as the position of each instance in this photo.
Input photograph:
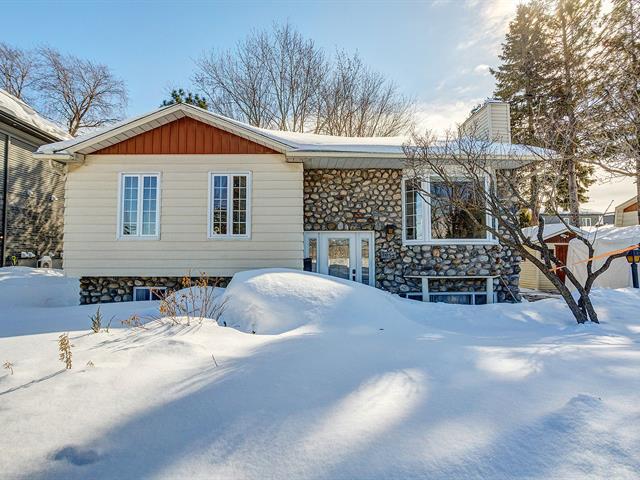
(5, 199)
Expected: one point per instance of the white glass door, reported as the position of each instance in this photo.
(348, 255)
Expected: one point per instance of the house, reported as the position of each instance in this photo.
(627, 213)
(31, 190)
(557, 237)
(588, 218)
(183, 190)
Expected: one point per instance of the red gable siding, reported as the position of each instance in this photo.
(185, 136)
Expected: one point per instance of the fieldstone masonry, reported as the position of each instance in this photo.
(120, 289)
(371, 199)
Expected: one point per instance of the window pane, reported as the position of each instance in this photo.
(149, 205)
(142, 295)
(414, 211)
(339, 257)
(457, 299)
(364, 258)
(454, 207)
(219, 210)
(313, 253)
(130, 206)
(239, 205)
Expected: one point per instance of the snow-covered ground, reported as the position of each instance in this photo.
(339, 381)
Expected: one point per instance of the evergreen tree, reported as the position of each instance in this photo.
(522, 80)
(573, 39)
(180, 96)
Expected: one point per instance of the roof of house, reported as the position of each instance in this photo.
(25, 115)
(627, 203)
(550, 230)
(290, 143)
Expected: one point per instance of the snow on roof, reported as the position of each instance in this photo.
(550, 230)
(291, 142)
(25, 114)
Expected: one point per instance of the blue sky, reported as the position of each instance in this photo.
(437, 51)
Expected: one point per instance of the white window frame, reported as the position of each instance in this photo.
(119, 229)
(137, 289)
(230, 235)
(426, 294)
(426, 221)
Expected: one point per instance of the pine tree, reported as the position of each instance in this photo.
(522, 80)
(572, 30)
(180, 96)
(615, 132)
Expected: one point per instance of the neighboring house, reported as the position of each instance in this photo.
(588, 218)
(31, 190)
(627, 213)
(557, 237)
(182, 190)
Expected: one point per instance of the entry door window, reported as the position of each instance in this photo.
(339, 257)
(348, 255)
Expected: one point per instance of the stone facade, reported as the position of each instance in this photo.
(120, 289)
(371, 199)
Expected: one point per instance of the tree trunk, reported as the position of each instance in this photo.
(638, 186)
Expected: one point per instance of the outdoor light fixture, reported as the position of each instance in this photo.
(633, 257)
(390, 229)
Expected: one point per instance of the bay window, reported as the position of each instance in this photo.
(437, 211)
(229, 205)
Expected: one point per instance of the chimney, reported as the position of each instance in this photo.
(489, 121)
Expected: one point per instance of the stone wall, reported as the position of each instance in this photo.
(371, 199)
(120, 289)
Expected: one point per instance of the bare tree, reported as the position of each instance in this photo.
(271, 80)
(278, 79)
(358, 102)
(18, 70)
(79, 93)
(470, 185)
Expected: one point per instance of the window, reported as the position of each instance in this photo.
(414, 211)
(139, 213)
(143, 294)
(585, 222)
(230, 205)
(449, 213)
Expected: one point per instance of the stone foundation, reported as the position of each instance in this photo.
(371, 199)
(120, 289)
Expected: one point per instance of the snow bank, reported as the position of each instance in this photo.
(273, 301)
(37, 287)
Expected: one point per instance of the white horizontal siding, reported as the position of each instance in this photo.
(91, 208)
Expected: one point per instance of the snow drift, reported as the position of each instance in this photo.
(37, 287)
(273, 301)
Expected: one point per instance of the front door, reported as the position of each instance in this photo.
(348, 255)
(561, 251)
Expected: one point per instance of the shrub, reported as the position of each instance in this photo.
(64, 347)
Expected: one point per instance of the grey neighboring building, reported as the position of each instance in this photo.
(31, 190)
(588, 218)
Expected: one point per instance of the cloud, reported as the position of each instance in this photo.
(440, 116)
(482, 69)
(493, 20)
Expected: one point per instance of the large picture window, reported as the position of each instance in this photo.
(230, 205)
(445, 212)
(139, 213)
